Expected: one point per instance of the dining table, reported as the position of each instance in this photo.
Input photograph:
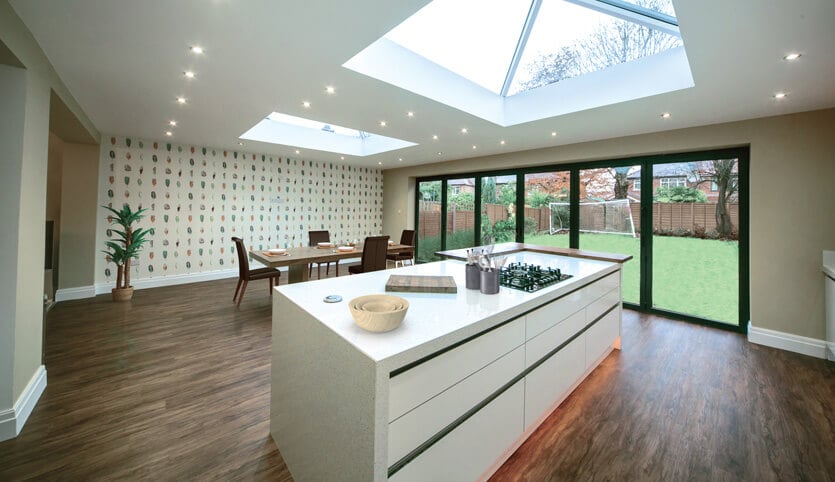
(297, 259)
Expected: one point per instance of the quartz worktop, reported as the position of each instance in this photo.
(433, 320)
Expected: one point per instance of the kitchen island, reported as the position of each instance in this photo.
(448, 395)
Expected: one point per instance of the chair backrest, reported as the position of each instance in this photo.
(243, 259)
(407, 237)
(374, 253)
(316, 237)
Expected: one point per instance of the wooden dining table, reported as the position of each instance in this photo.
(297, 259)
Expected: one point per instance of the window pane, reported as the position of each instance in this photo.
(568, 40)
(660, 6)
(460, 214)
(475, 39)
(429, 221)
(547, 208)
(610, 220)
(695, 247)
(498, 209)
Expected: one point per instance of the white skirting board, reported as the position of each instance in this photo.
(787, 341)
(13, 419)
(81, 292)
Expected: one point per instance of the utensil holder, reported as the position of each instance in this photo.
(489, 282)
(473, 277)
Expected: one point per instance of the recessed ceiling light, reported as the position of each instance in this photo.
(240, 143)
(382, 123)
(400, 159)
(197, 50)
(181, 100)
(780, 95)
(306, 104)
(439, 153)
(329, 89)
(189, 74)
(342, 157)
(172, 123)
(435, 138)
(169, 133)
(665, 115)
(501, 142)
(379, 163)
(464, 130)
(410, 114)
(297, 151)
(474, 147)
(792, 56)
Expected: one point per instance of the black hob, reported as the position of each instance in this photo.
(530, 277)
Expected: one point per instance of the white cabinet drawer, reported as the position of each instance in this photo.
(417, 385)
(553, 337)
(602, 304)
(412, 429)
(602, 335)
(548, 382)
(554, 312)
(468, 451)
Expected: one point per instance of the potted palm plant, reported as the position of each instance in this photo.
(124, 247)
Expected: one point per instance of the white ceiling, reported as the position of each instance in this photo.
(124, 60)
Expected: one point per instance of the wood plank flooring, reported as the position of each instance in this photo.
(175, 386)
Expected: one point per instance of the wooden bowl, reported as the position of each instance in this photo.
(378, 313)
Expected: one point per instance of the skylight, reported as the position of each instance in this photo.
(479, 56)
(278, 128)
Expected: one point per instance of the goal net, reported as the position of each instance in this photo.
(613, 217)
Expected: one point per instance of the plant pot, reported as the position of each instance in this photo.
(122, 294)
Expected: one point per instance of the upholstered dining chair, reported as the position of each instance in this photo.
(245, 275)
(373, 255)
(314, 238)
(407, 237)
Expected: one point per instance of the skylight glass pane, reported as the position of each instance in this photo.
(472, 38)
(568, 41)
(660, 6)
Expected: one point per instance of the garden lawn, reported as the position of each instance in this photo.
(698, 277)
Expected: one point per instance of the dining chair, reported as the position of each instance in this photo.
(373, 255)
(245, 275)
(407, 237)
(313, 239)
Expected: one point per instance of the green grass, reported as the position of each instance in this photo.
(698, 277)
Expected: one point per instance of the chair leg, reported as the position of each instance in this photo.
(270, 281)
(319, 271)
(337, 269)
(328, 269)
(237, 288)
(243, 290)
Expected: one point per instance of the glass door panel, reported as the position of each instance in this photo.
(695, 242)
(460, 213)
(547, 208)
(498, 209)
(610, 219)
(428, 221)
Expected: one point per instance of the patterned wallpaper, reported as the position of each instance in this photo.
(199, 197)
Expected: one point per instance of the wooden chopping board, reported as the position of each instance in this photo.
(421, 284)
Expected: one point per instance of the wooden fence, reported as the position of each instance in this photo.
(667, 216)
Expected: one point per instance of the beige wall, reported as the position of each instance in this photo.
(791, 198)
(78, 215)
(23, 182)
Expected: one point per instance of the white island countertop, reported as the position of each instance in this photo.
(434, 320)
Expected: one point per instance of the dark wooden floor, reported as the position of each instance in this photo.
(175, 386)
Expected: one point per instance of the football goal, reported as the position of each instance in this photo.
(613, 217)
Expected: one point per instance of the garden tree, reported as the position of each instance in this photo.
(609, 44)
(488, 190)
(621, 182)
(556, 185)
(536, 199)
(723, 173)
(463, 201)
(430, 191)
(679, 194)
(507, 194)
